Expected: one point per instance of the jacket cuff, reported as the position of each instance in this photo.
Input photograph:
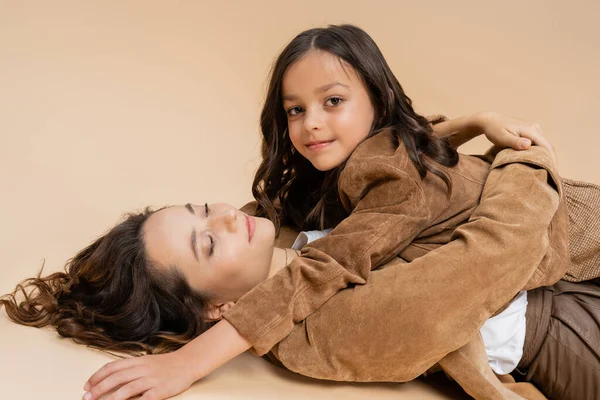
(536, 155)
(262, 338)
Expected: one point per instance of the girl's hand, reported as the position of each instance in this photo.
(505, 131)
(153, 377)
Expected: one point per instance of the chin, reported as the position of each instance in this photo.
(325, 166)
(267, 228)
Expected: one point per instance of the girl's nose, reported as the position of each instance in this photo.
(313, 120)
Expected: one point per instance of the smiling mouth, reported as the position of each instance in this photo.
(318, 145)
(250, 226)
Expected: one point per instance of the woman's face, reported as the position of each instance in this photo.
(328, 108)
(222, 252)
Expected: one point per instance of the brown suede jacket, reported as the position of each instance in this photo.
(517, 241)
(411, 315)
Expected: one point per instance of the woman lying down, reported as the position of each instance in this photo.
(158, 279)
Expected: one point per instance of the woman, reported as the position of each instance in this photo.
(117, 296)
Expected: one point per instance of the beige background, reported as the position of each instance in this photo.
(108, 106)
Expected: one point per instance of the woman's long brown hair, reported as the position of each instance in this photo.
(288, 189)
(112, 298)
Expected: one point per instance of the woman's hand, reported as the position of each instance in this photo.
(154, 377)
(161, 376)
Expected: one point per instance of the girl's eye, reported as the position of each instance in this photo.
(294, 111)
(206, 209)
(334, 101)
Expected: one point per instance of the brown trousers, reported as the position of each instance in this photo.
(562, 343)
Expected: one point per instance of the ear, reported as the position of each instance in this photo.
(215, 311)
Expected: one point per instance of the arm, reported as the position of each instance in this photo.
(502, 130)
(165, 375)
(458, 131)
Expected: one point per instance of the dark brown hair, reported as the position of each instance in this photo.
(287, 187)
(111, 297)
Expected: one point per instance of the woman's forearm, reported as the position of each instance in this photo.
(213, 348)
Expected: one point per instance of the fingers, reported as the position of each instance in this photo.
(513, 140)
(108, 369)
(150, 395)
(519, 143)
(128, 377)
(534, 133)
(134, 388)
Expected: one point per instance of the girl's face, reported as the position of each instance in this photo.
(221, 251)
(328, 108)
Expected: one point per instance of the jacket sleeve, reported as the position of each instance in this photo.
(388, 213)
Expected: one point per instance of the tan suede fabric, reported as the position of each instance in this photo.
(410, 315)
(477, 379)
(394, 211)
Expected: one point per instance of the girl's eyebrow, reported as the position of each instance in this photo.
(321, 89)
(325, 88)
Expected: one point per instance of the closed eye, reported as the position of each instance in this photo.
(211, 248)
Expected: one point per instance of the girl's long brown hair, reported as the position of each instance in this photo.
(287, 187)
(112, 298)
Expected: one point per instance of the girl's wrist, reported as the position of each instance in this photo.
(479, 121)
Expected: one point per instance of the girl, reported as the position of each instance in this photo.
(348, 152)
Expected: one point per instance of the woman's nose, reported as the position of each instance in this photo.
(226, 220)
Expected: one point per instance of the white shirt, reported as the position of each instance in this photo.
(503, 334)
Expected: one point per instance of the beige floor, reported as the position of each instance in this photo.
(38, 364)
(110, 106)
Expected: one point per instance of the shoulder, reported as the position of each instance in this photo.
(381, 166)
(379, 157)
(381, 144)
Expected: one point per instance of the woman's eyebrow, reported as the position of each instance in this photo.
(193, 238)
(190, 208)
